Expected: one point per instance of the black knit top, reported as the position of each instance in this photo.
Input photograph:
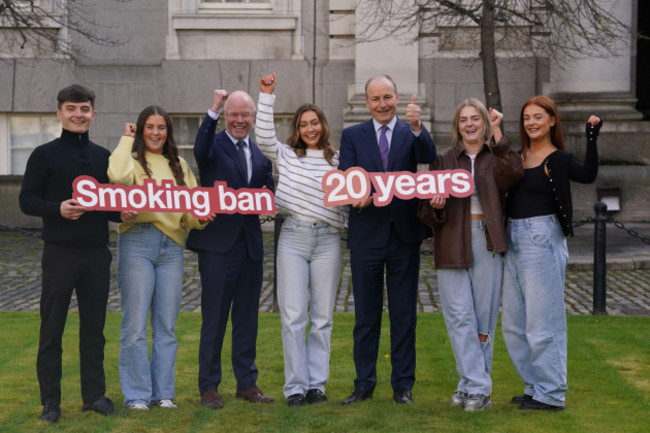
(532, 196)
(51, 169)
(563, 167)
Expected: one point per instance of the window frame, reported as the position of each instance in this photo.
(6, 145)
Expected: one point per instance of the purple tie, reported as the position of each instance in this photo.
(383, 146)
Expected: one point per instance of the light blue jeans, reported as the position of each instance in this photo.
(534, 319)
(309, 266)
(150, 274)
(470, 304)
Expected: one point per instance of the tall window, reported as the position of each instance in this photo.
(185, 129)
(187, 125)
(27, 132)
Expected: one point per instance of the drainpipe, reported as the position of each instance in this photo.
(313, 65)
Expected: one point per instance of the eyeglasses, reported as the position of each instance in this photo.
(243, 116)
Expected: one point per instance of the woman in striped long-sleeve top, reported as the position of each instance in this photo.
(309, 248)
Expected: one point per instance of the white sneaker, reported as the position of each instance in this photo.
(166, 403)
(138, 406)
(458, 399)
(477, 402)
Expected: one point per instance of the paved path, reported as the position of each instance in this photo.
(628, 276)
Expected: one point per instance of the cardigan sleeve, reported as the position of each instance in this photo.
(121, 166)
(586, 172)
(188, 220)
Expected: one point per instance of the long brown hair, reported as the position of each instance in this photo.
(296, 142)
(170, 151)
(555, 133)
(456, 138)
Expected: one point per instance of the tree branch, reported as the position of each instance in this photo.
(44, 30)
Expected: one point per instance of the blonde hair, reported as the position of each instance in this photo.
(456, 138)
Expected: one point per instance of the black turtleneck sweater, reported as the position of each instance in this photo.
(51, 169)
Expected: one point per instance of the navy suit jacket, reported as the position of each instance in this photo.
(218, 160)
(370, 228)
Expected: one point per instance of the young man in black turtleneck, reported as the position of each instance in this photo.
(75, 253)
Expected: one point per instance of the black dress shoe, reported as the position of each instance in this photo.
(403, 396)
(316, 396)
(359, 394)
(51, 412)
(538, 405)
(519, 399)
(296, 400)
(103, 406)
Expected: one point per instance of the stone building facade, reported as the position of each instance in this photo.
(175, 52)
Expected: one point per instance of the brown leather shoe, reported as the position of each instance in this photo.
(211, 399)
(254, 395)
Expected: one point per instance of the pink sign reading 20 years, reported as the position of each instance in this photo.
(355, 184)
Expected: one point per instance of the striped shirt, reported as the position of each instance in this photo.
(299, 192)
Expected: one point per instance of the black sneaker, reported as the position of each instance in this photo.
(538, 405)
(103, 406)
(316, 396)
(51, 412)
(519, 399)
(296, 400)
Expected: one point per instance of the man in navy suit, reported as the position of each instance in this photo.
(230, 249)
(386, 237)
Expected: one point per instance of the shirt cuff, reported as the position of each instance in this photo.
(213, 115)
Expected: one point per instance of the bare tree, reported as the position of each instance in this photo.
(556, 29)
(35, 28)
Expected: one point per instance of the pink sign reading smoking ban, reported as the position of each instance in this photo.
(167, 197)
(355, 184)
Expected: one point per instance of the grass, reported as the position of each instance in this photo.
(609, 384)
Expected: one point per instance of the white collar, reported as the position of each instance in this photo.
(391, 124)
(234, 140)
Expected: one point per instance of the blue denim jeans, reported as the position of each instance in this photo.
(150, 273)
(534, 319)
(309, 266)
(470, 304)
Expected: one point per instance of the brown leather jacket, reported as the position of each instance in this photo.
(497, 167)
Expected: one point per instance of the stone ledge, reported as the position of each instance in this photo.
(234, 22)
(608, 105)
(613, 264)
(641, 262)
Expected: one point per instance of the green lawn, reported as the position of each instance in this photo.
(609, 384)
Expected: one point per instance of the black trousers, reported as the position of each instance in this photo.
(87, 271)
(401, 263)
(229, 281)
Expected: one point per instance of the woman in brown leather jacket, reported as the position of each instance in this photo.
(469, 236)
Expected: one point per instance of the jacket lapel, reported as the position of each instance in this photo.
(257, 160)
(400, 133)
(373, 146)
(230, 149)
